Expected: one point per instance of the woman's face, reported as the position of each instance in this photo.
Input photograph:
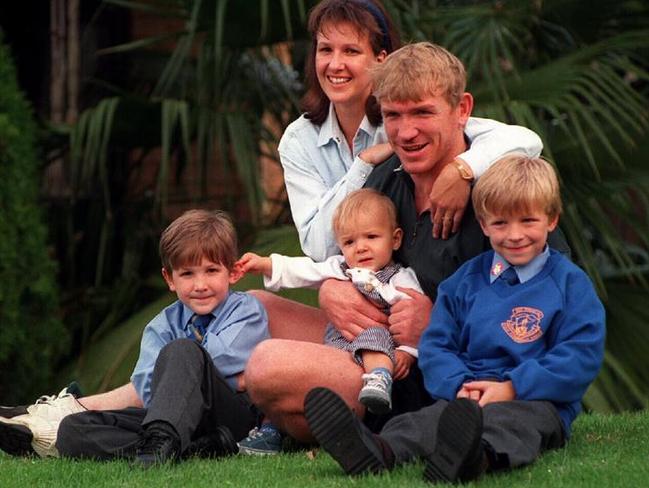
(343, 56)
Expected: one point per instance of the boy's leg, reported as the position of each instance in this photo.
(100, 434)
(341, 433)
(517, 432)
(189, 394)
(374, 349)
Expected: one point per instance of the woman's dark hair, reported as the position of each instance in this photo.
(366, 16)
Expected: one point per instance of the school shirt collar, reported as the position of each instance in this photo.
(188, 313)
(330, 129)
(525, 272)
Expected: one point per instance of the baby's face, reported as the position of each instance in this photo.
(368, 241)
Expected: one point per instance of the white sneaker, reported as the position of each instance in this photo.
(376, 393)
(39, 426)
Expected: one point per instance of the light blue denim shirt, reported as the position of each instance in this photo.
(239, 324)
(320, 169)
(525, 272)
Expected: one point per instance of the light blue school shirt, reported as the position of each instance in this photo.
(320, 170)
(239, 324)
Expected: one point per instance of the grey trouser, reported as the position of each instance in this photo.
(186, 391)
(515, 432)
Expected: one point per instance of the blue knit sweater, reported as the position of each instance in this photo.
(545, 335)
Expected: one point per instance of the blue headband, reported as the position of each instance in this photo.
(386, 43)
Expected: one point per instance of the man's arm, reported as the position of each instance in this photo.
(489, 141)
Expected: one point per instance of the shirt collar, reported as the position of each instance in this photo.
(525, 272)
(330, 129)
(188, 313)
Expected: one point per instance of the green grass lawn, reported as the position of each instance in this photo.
(606, 450)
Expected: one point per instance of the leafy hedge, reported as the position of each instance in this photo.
(31, 334)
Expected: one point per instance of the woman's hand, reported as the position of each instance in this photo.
(376, 154)
(348, 309)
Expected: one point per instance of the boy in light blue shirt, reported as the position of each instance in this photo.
(189, 375)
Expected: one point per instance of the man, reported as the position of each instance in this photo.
(425, 109)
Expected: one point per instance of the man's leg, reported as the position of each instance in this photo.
(281, 372)
(292, 320)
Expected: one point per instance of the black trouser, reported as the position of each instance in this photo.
(187, 392)
(515, 432)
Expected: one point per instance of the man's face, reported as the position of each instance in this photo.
(426, 132)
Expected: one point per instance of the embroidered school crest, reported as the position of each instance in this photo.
(524, 325)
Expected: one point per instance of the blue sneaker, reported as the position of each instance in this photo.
(262, 441)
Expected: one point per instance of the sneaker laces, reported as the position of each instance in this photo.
(376, 380)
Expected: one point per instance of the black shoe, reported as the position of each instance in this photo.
(159, 444)
(342, 434)
(213, 445)
(459, 454)
(16, 439)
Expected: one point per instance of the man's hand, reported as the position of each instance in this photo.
(448, 199)
(348, 309)
(376, 154)
(402, 364)
(409, 318)
(489, 391)
(253, 263)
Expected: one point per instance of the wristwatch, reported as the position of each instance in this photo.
(465, 172)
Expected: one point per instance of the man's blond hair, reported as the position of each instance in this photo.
(417, 71)
(516, 184)
(365, 200)
(199, 234)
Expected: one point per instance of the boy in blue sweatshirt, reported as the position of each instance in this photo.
(515, 338)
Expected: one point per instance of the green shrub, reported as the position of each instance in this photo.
(31, 334)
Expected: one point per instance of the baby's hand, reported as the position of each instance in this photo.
(253, 263)
(402, 363)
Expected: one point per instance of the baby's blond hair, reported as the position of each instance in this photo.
(365, 200)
